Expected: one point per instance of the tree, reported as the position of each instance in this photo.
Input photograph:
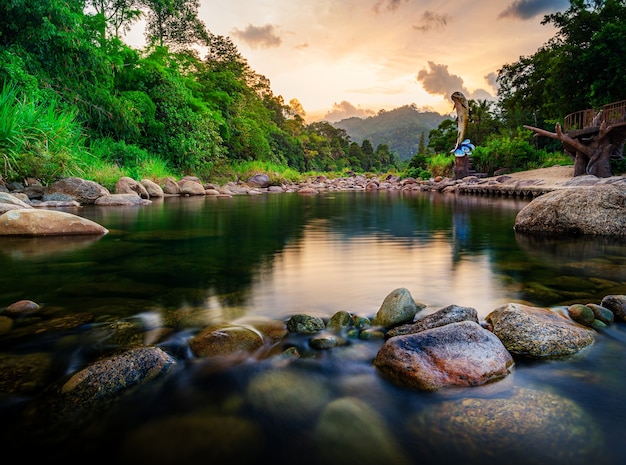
(422, 149)
(581, 67)
(174, 23)
(113, 16)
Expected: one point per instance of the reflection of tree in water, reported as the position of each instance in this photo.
(571, 269)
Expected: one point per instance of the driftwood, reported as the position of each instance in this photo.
(592, 148)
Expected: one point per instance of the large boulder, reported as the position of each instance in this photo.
(81, 190)
(152, 188)
(127, 185)
(117, 200)
(538, 333)
(10, 202)
(34, 222)
(525, 427)
(458, 354)
(596, 210)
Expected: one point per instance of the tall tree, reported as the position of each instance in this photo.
(175, 23)
(113, 16)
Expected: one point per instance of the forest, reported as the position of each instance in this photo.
(77, 101)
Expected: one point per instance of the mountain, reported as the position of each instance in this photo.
(400, 128)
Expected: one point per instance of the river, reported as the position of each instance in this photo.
(273, 255)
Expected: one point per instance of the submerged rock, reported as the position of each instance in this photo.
(350, 431)
(528, 428)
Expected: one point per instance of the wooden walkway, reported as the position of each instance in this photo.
(592, 119)
(505, 190)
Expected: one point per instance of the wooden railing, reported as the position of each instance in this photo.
(610, 113)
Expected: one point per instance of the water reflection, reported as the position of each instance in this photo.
(45, 247)
(181, 264)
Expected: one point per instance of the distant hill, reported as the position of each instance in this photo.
(400, 128)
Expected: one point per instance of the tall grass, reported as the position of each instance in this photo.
(243, 170)
(111, 160)
(38, 139)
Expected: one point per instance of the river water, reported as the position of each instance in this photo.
(275, 255)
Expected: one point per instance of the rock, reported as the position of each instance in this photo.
(272, 330)
(350, 431)
(602, 314)
(259, 180)
(528, 427)
(584, 180)
(581, 314)
(43, 327)
(326, 340)
(91, 390)
(615, 303)
(288, 396)
(118, 200)
(538, 332)
(171, 187)
(6, 324)
(598, 210)
(81, 190)
(34, 222)
(340, 321)
(445, 316)
(24, 374)
(195, 438)
(10, 202)
(305, 324)
(152, 188)
(458, 354)
(22, 308)
(191, 188)
(126, 185)
(225, 340)
(398, 307)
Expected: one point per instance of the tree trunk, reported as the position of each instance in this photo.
(592, 148)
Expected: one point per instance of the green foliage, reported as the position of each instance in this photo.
(167, 111)
(37, 138)
(243, 170)
(441, 164)
(581, 67)
(510, 152)
(442, 139)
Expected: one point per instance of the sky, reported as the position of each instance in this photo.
(343, 58)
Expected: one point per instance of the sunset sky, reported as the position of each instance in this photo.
(344, 58)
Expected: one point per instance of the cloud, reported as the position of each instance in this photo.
(492, 80)
(527, 9)
(391, 5)
(259, 36)
(438, 81)
(345, 110)
(431, 20)
(481, 94)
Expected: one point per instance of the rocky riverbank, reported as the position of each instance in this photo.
(447, 349)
